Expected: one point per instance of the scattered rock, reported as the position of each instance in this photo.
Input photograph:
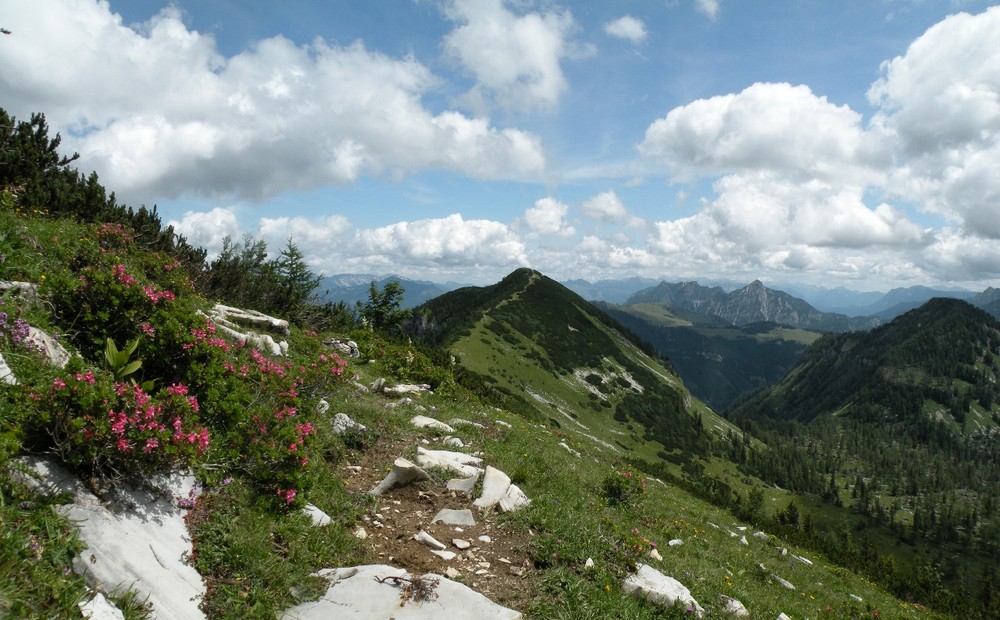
(497, 489)
(377, 385)
(444, 555)
(589, 564)
(462, 422)
(461, 544)
(7, 373)
(733, 608)
(343, 346)
(360, 533)
(761, 535)
(463, 485)
(485, 539)
(403, 473)
(568, 449)
(422, 421)
(782, 616)
(675, 542)
(361, 387)
(380, 591)
(429, 540)
(100, 608)
(55, 353)
(449, 516)
(399, 403)
(655, 587)
(457, 462)
(319, 518)
(783, 583)
(654, 555)
(503, 424)
(452, 573)
(453, 442)
(342, 424)
(25, 290)
(805, 561)
(856, 598)
(233, 322)
(407, 388)
(743, 540)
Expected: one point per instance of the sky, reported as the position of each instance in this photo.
(806, 142)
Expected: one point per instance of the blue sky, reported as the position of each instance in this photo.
(800, 142)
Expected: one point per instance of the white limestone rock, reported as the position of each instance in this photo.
(407, 388)
(783, 616)
(343, 424)
(458, 462)
(370, 592)
(675, 542)
(453, 442)
(463, 485)
(140, 542)
(783, 582)
(403, 473)
(654, 555)
(100, 608)
(655, 587)
(422, 421)
(318, 517)
(495, 485)
(55, 353)
(7, 373)
(733, 608)
(449, 516)
(430, 541)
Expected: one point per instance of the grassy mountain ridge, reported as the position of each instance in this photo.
(575, 367)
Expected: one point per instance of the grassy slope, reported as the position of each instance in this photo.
(257, 560)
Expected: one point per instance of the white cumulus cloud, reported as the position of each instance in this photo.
(446, 241)
(939, 102)
(628, 28)
(207, 229)
(548, 217)
(515, 59)
(159, 112)
(709, 7)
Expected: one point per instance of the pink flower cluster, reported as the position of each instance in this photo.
(146, 421)
(156, 296)
(208, 337)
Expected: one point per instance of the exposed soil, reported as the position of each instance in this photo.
(496, 563)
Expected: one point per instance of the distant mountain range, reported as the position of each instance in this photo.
(754, 303)
(351, 288)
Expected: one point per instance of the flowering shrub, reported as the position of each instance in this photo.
(14, 330)
(264, 408)
(110, 428)
(624, 488)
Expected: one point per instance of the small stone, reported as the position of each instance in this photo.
(100, 608)
(485, 539)
(517, 570)
(449, 516)
(782, 616)
(319, 518)
(343, 424)
(743, 540)
(482, 571)
(444, 555)
(403, 472)
(675, 542)
(360, 533)
(734, 608)
(463, 485)
(461, 544)
(783, 583)
(655, 555)
(504, 424)
(428, 540)
(856, 598)
(589, 564)
(453, 442)
(452, 573)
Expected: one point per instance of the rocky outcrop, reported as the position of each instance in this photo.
(240, 324)
(138, 541)
(381, 591)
